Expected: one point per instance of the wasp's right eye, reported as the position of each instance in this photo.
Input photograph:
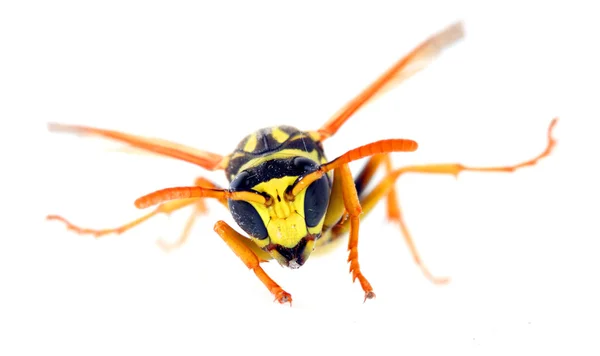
(244, 213)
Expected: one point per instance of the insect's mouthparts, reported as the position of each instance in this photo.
(293, 264)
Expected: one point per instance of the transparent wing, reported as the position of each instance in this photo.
(207, 160)
(404, 68)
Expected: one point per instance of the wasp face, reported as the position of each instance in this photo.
(287, 227)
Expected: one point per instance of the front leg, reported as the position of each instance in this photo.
(354, 210)
(239, 245)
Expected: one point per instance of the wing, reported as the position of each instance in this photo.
(207, 160)
(408, 65)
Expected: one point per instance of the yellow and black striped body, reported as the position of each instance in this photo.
(269, 161)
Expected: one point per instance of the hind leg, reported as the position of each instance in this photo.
(386, 189)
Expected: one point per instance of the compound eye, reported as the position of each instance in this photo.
(316, 201)
(240, 183)
(246, 216)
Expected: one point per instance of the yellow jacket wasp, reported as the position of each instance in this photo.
(285, 194)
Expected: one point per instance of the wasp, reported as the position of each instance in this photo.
(287, 198)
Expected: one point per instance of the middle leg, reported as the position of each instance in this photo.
(386, 188)
(199, 209)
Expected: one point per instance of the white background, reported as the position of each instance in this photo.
(522, 248)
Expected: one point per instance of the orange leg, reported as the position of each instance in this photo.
(387, 184)
(354, 210)
(368, 202)
(235, 241)
(165, 208)
(393, 208)
(199, 209)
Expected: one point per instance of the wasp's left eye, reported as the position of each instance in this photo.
(316, 201)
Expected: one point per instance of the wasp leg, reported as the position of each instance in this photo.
(366, 175)
(385, 186)
(251, 259)
(336, 214)
(354, 210)
(369, 201)
(165, 208)
(199, 209)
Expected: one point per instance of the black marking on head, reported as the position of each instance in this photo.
(276, 168)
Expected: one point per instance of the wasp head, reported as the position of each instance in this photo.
(285, 226)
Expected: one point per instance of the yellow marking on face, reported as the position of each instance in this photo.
(279, 135)
(281, 211)
(315, 230)
(260, 243)
(284, 219)
(276, 187)
(251, 143)
(287, 232)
